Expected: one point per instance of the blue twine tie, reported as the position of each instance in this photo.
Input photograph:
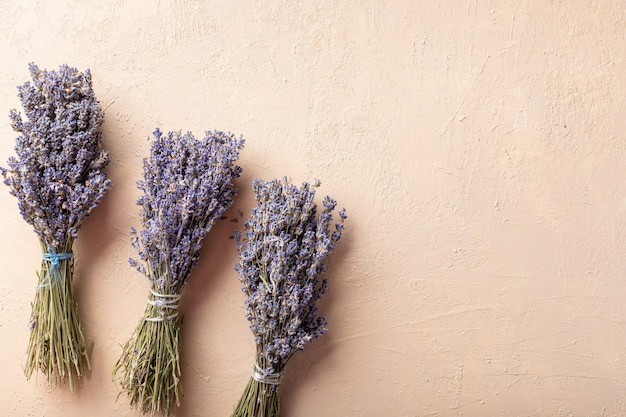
(53, 257)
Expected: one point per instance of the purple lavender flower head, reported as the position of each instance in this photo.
(187, 184)
(283, 251)
(58, 174)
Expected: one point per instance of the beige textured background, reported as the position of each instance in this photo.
(478, 146)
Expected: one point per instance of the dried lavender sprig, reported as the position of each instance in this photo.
(58, 175)
(58, 178)
(283, 253)
(187, 185)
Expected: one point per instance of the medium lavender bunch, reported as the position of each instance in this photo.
(187, 184)
(282, 257)
(58, 178)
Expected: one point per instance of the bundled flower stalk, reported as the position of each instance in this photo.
(282, 256)
(187, 184)
(58, 178)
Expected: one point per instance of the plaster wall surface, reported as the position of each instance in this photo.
(478, 147)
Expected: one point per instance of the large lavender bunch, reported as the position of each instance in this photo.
(282, 256)
(58, 178)
(187, 185)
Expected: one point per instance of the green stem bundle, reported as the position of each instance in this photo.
(57, 344)
(259, 399)
(148, 370)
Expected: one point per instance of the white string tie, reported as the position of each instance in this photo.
(164, 302)
(260, 375)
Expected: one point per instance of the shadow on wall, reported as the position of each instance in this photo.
(215, 270)
(309, 363)
(218, 255)
(102, 227)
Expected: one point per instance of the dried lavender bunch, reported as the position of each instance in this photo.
(282, 255)
(58, 178)
(187, 185)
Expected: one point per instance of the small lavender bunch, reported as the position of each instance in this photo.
(58, 178)
(187, 185)
(282, 255)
